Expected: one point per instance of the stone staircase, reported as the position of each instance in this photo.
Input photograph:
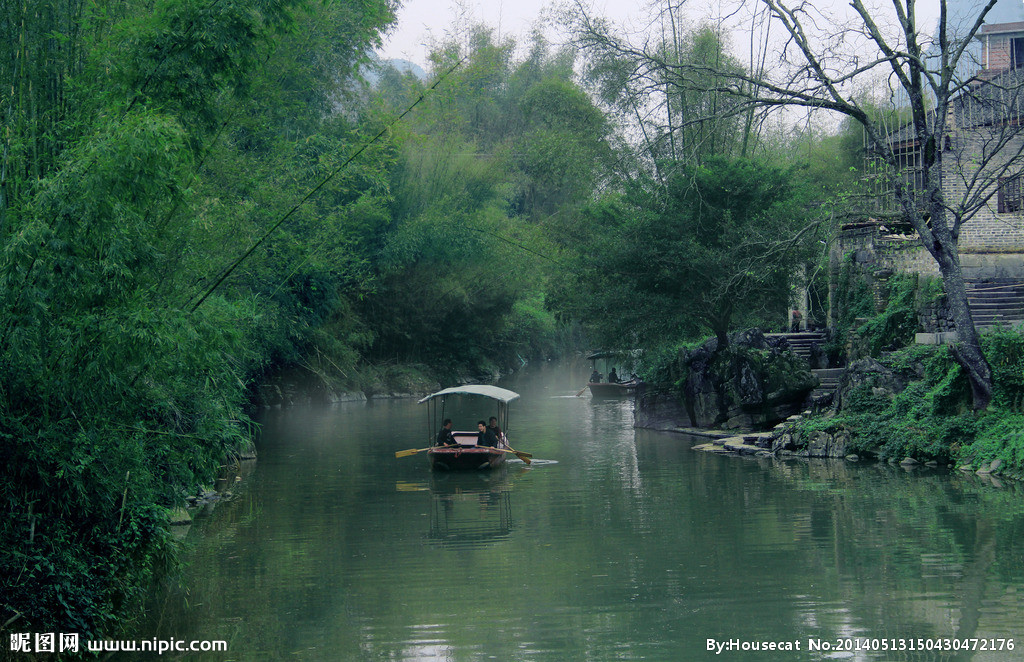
(828, 381)
(996, 302)
(800, 343)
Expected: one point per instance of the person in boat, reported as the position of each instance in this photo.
(485, 435)
(492, 425)
(595, 377)
(445, 436)
(613, 377)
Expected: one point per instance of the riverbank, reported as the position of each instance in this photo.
(907, 407)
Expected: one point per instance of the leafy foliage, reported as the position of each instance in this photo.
(125, 183)
(931, 418)
(504, 148)
(169, 138)
(895, 326)
(717, 246)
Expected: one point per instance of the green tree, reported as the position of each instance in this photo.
(932, 82)
(719, 244)
(503, 148)
(129, 136)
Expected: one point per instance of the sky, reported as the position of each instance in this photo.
(420, 21)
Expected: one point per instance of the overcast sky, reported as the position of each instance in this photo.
(419, 21)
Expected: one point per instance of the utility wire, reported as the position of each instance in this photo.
(316, 189)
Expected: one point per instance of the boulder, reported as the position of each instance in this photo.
(753, 383)
(824, 444)
(871, 376)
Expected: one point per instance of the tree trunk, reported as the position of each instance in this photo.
(722, 335)
(967, 350)
(720, 325)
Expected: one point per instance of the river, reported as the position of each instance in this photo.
(615, 544)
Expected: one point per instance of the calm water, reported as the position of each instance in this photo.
(616, 544)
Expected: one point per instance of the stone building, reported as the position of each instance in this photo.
(988, 118)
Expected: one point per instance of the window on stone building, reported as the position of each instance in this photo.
(1009, 195)
(1017, 52)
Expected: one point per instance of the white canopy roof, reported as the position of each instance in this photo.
(501, 394)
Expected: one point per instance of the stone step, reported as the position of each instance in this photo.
(800, 343)
(996, 305)
(990, 299)
(993, 322)
(810, 336)
(996, 301)
(998, 314)
(828, 381)
(1005, 285)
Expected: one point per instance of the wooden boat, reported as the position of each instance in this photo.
(612, 389)
(467, 455)
(609, 359)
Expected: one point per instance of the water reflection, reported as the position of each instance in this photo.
(470, 509)
(614, 544)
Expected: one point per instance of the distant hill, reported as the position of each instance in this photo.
(405, 66)
(372, 75)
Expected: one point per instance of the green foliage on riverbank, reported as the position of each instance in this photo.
(712, 247)
(147, 148)
(876, 316)
(931, 417)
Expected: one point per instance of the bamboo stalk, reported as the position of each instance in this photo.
(17, 615)
(124, 499)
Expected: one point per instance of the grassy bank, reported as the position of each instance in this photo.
(902, 400)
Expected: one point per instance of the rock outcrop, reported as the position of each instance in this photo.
(753, 383)
(786, 441)
(868, 375)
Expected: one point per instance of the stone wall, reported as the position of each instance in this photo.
(877, 252)
(988, 229)
(934, 317)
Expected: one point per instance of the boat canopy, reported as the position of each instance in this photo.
(620, 354)
(500, 394)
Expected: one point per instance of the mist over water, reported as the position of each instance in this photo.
(615, 544)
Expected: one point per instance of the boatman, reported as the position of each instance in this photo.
(492, 425)
(485, 435)
(613, 377)
(445, 436)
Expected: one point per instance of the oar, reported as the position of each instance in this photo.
(525, 457)
(581, 391)
(411, 451)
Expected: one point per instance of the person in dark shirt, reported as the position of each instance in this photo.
(613, 377)
(595, 377)
(445, 436)
(485, 435)
(492, 425)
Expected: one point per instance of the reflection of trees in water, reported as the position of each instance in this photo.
(470, 509)
(917, 555)
(631, 539)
